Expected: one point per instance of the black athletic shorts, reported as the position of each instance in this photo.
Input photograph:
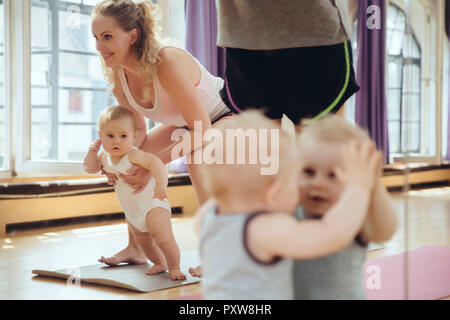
(302, 83)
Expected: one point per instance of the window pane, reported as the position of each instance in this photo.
(3, 124)
(411, 47)
(40, 34)
(395, 72)
(393, 104)
(411, 107)
(396, 19)
(90, 2)
(40, 96)
(41, 116)
(411, 78)
(400, 21)
(395, 42)
(68, 87)
(390, 21)
(85, 135)
(394, 136)
(396, 22)
(411, 136)
(81, 106)
(40, 141)
(75, 31)
(80, 71)
(177, 21)
(40, 72)
(404, 85)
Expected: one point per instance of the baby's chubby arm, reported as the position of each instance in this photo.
(92, 161)
(280, 234)
(155, 166)
(381, 221)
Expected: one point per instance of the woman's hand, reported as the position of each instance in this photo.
(112, 178)
(137, 178)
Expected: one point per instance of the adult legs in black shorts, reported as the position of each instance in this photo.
(302, 83)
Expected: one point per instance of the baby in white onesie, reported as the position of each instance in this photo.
(147, 212)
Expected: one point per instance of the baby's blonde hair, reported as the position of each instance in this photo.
(143, 16)
(114, 113)
(222, 179)
(331, 129)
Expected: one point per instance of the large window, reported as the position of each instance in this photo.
(403, 85)
(68, 90)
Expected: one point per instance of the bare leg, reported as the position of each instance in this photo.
(160, 227)
(151, 251)
(131, 254)
(197, 182)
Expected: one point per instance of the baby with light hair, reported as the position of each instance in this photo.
(339, 275)
(147, 213)
(248, 234)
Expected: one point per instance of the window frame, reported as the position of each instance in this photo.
(406, 61)
(437, 158)
(5, 171)
(18, 94)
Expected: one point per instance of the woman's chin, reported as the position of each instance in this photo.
(109, 64)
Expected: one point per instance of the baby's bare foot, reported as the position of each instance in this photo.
(176, 274)
(157, 268)
(130, 255)
(196, 272)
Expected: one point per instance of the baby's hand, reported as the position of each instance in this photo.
(160, 192)
(112, 178)
(95, 146)
(360, 164)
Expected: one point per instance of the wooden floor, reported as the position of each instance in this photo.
(428, 223)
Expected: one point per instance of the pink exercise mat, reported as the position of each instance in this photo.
(428, 275)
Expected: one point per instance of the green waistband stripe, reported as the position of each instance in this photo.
(338, 98)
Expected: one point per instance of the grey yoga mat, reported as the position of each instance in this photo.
(126, 276)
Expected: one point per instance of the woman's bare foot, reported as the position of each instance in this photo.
(176, 274)
(196, 272)
(157, 268)
(130, 255)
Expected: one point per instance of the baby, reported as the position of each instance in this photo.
(337, 276)
(248, 236)
(147, 213)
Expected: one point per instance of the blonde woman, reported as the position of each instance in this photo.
(162, 83)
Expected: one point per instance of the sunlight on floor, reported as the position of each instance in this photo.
(102, 229)
(435, 192)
